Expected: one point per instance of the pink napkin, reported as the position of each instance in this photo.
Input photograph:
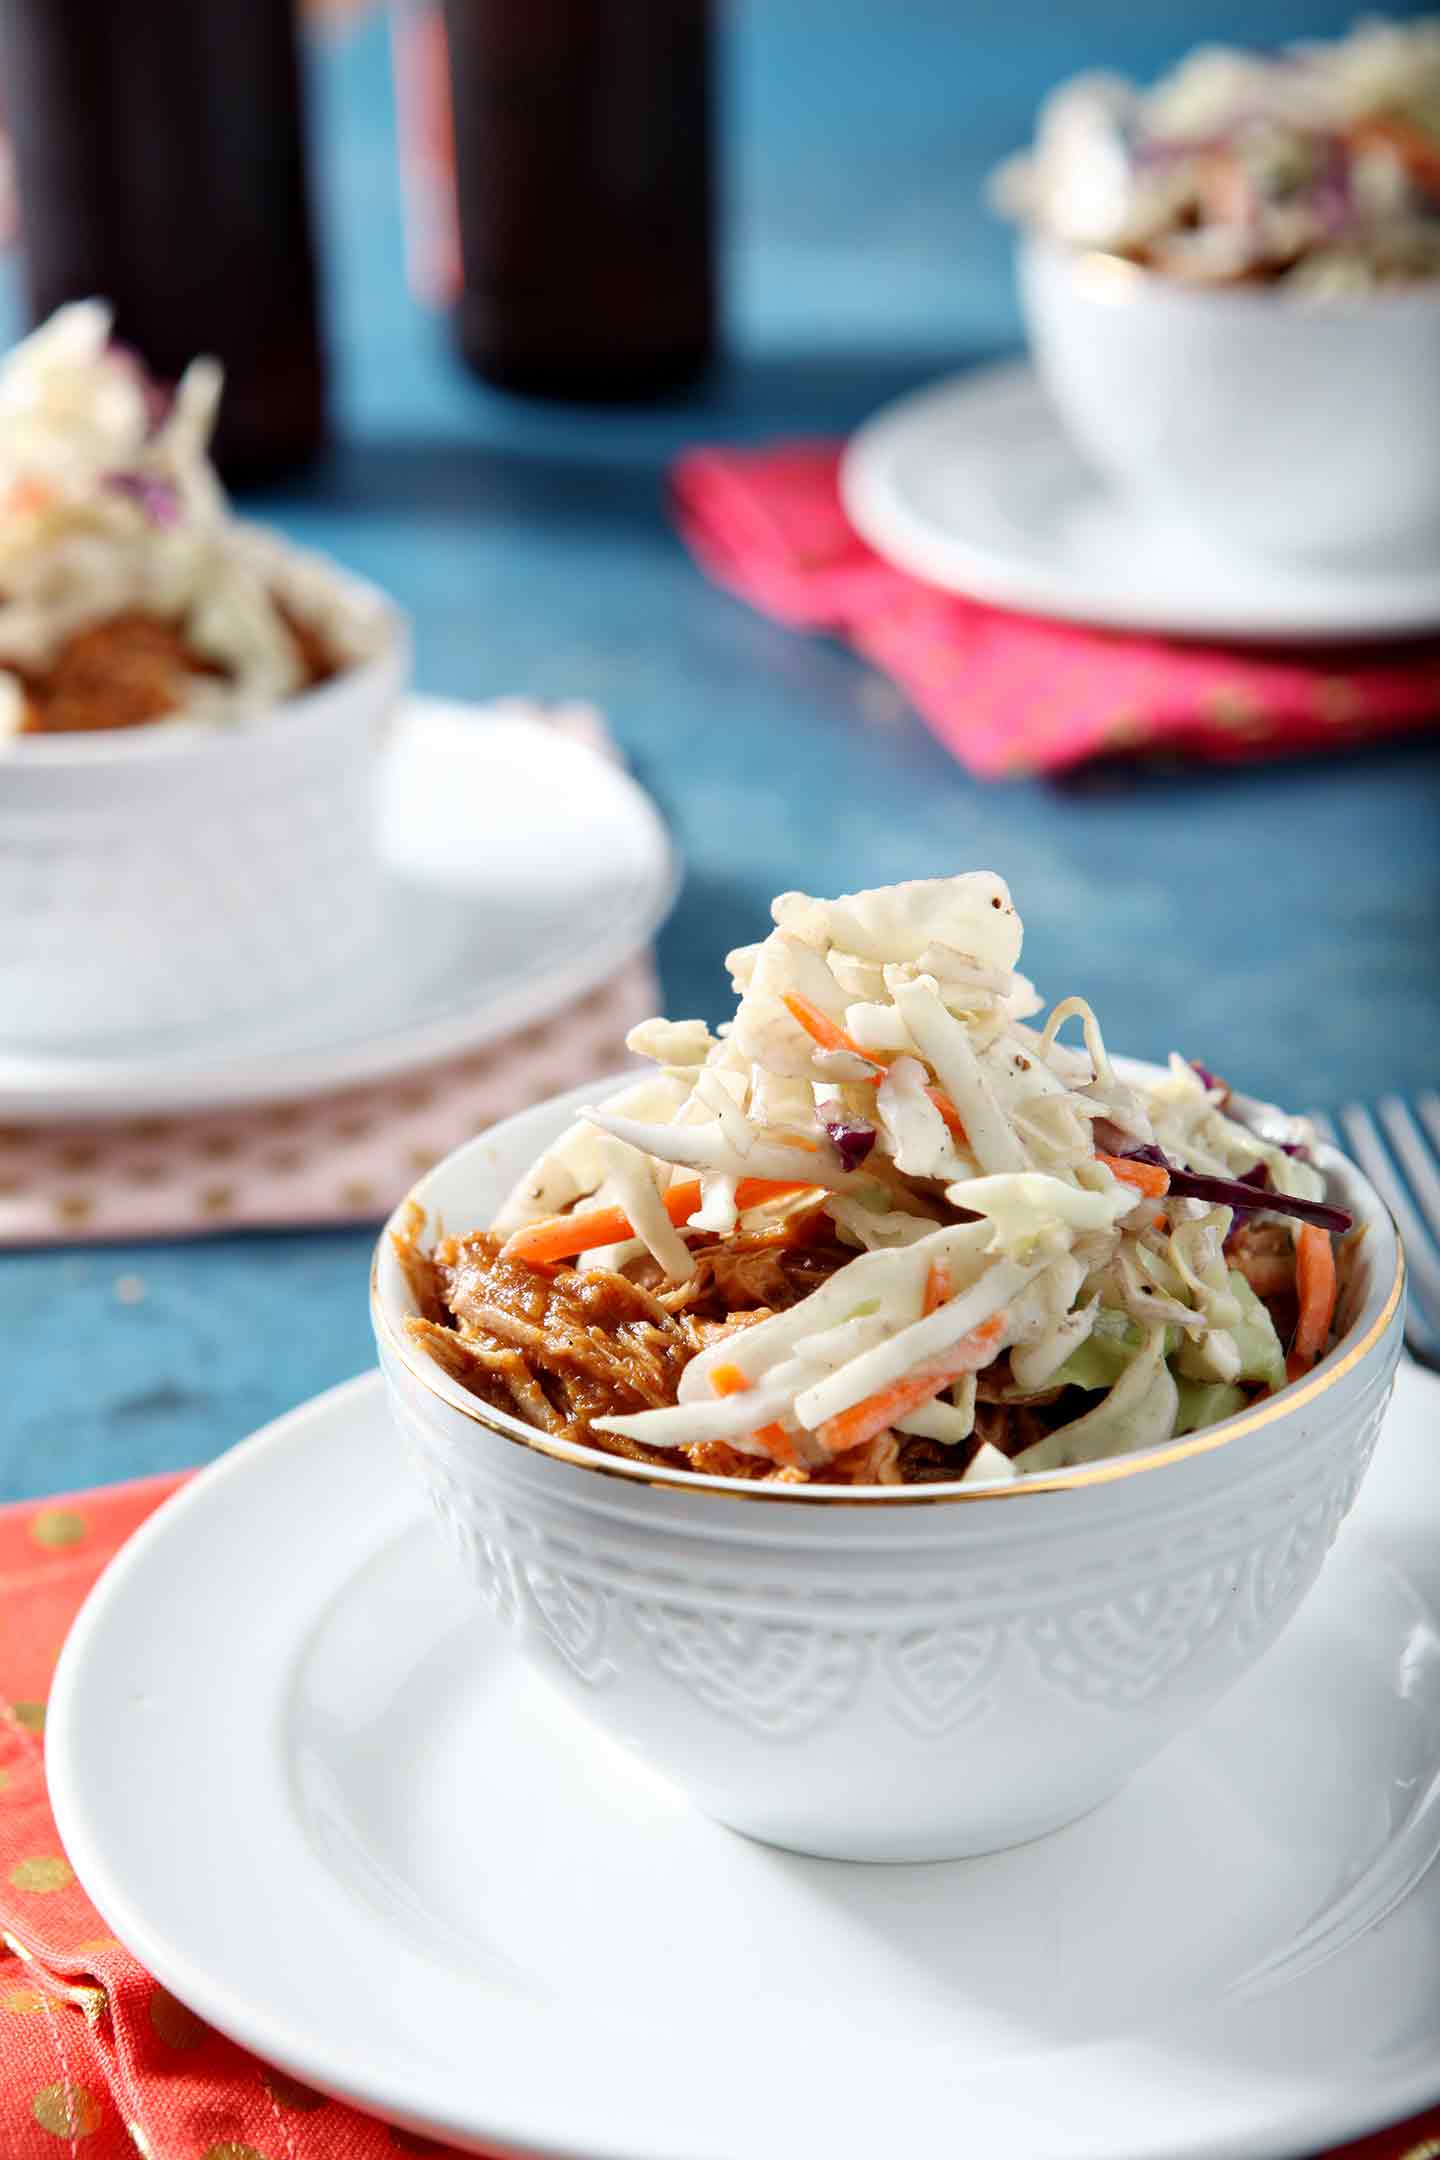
(1007, 693)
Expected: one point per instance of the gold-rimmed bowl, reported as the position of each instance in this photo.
(892, 1674)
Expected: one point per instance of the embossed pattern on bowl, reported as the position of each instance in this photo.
(904, 1681)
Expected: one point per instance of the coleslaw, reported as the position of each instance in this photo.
(891, 1223)
(1317, 166)
(128, 589)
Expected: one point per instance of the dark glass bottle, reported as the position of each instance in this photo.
(160, 158)
(583, 164)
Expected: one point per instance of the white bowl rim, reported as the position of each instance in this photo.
(1114, 278)
(93, 748)
(1366, 1333)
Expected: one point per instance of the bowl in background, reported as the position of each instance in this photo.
(170, 876)
(912, 1673)
(1272, 422)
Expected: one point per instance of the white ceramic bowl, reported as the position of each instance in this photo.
(892, 1674)
(163, 878)
(1275, 423)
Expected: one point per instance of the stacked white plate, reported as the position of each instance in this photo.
(521, 867)
(974, 485)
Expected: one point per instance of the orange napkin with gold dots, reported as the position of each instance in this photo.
(98, 2062)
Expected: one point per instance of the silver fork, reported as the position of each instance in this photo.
(1398, 1148)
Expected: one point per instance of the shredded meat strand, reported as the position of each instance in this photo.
(1264, 1253)
(591, 1344)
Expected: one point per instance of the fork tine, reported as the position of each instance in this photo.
(1428, 1106)
(1420, 1253)
(1324, 1127)
(1415, 1158)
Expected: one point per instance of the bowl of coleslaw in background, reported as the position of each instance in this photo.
(1231, 286)
(215, 857)
(1275, 425)
(892, 1673)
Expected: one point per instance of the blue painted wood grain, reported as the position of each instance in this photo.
(1280, 922)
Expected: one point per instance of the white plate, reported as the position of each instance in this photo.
(973, 485)
(525, 868)
(334, 1766)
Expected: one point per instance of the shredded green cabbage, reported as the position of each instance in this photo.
(1139, 1412)
(1205, 1403)
(1106, 1351)
(1261, 1354)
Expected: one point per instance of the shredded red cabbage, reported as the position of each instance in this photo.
(852, 1139)
(157, 498)
(1332, 197)
(1111, 1139)
(1204, 1075)
(1257, 1175)
(1240, 1192)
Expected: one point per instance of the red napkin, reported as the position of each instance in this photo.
(1011, 693)
(98, 2062)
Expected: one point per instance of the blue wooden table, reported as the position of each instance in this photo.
(1282, 922)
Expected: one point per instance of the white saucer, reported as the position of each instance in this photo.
(525, 868)
(973, 485)
(357, 1835)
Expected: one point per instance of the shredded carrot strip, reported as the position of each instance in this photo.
(29, 494)
(729, 1380)
(1417, 151)
(950, 1114)
(560, 1237)
(831, 1036)
(821, 1028)
(937, 1285)
(754, 1191)
(863, 1420)
(1147, 1178)
(1316, 1286)
(779, 1445)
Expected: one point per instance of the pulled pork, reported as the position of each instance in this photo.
(137, 668)
(560, 1347)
